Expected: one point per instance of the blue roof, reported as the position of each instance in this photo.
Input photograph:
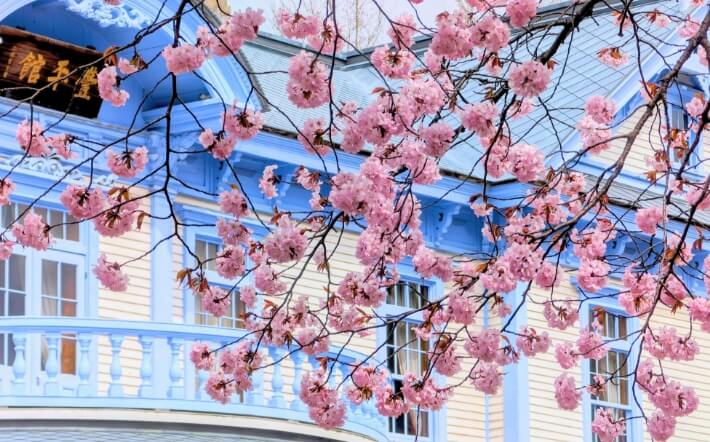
(578, 74)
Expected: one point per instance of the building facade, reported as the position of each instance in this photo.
(78, 362)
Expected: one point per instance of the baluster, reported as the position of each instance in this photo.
(277, 382)
(84, 371)
(176, 390)
(296, 403)
(256, 395)
(19, 368)
(146, 387)
(344, 373)
(115, 389)
(51, 386)
(202, 376)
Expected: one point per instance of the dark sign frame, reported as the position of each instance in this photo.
(52, 73)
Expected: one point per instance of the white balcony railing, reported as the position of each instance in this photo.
(151, 358)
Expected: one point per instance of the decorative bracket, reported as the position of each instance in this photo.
(105, 15)
(440, 218)
(287, 174)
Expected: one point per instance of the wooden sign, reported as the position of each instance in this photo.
(64, 74)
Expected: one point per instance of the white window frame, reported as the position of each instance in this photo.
(606, 300)
(437, 419)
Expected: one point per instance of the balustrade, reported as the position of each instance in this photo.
(106, 376)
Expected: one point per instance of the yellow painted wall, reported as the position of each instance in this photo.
(466, 409)
(643, 147)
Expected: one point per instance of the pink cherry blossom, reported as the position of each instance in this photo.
(490, 33)
(480, 118)
(29, 136)
(6, 189)
(392, 63)
(613, 57)
(313, 136)
(81, 202)
(108, 87)
(308, 84)
(641, 292)
(566, 392)
(424, 393)
(326, 40)
(661, 426)
(201, 356)
(486, 378)
(667, 344)
(484, 345)
(233, 202)
(403, 30)
(595, 136)
(219, 387)
(354, 290)
(220, 146)
(127, 67)
(6, 249)
(561, 315)
(247, 294)
(215, 301)
(601, 109)
(591, 345)
(268, 181)
(529, 79)
(453, 39)
(267, 281)
(110, 274)
(117, 219)
(521, 11)
(33, 232)
(593, 274)
(530, 342)
(286, 244)
(437, 138)
(526, 162)
(295, 25)
(647, 219)
(324, 404)
(565, 355)
(243, 124)
(605, 426)
(127, 163)
(184, 58)
(230, 262)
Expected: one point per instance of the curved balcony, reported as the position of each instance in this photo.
(64, 364)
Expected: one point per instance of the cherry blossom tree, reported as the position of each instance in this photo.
(462, 83)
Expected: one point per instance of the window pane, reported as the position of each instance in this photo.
(49, 306)
(68, 354)
(2, 274)
(56, 219)
(8, 215)
(69, 309)
(16, 303)
(17, 272)
(414, 300)
(72, 229)
(49, 278)
(41, 211)
(68, 281)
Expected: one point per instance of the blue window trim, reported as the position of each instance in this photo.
(206, 231)
(436, 290)
(516, 385)
(605, 298)
(29, 188)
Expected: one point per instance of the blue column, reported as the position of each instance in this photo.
(161, 288)
(516, 390)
